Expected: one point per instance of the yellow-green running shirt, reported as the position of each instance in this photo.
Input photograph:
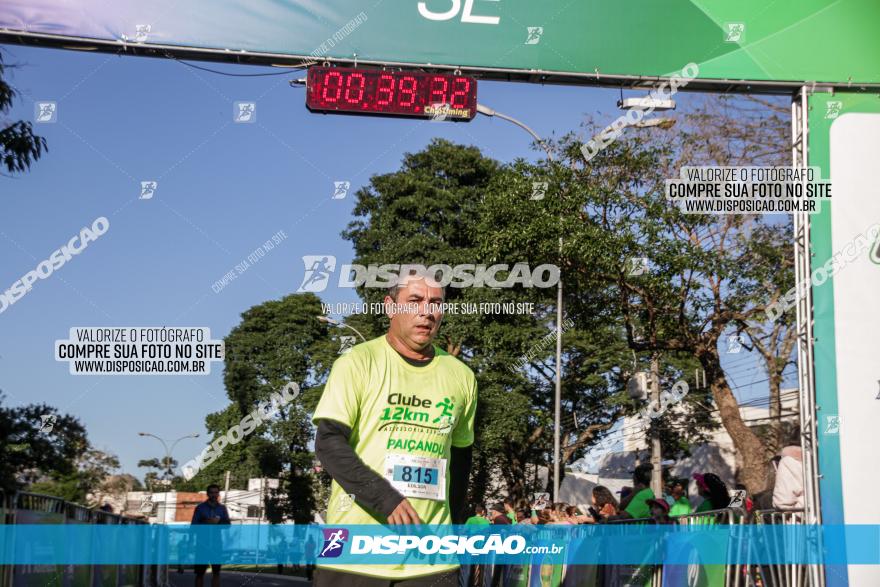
(404, 419)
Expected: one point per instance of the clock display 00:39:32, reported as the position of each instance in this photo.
(391, 93)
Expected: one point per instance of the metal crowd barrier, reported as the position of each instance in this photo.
(32, 508)
(5, 518)
(732, 575)
(780, 575)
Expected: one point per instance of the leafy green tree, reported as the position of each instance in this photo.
(277, 342)
(255, 456)
(162, 473)
(706, 273)
(67, 487)
(597, 360)
(37, 441)
(163, 466)
(93, 468)
(19, 146)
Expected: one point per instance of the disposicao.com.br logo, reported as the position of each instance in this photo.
(451, 544)
(319, 268)
(334, 542)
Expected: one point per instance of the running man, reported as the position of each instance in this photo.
(395, 429)
(320, 272)
(210, 511)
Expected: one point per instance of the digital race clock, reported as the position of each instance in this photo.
(392, 93)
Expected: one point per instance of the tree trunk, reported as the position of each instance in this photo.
(775, 347)
(549, 487)
(748, 446)
(479, 480)
(776, 439)
(516, 479)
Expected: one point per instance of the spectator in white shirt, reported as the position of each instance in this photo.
(788, 491)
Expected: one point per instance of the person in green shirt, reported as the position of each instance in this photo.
(479, 519)
(395, 429)
(510, 510)
(715, 497)
(681, 506)
(636, 505)
(713, 491)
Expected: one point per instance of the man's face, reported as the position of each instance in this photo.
(416, 324)
(213, 494)
(677, 490)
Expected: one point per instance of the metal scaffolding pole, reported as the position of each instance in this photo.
(806, 380)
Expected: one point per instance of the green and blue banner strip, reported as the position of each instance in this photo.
(339, 545)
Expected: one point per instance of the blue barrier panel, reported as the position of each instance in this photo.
(374, 544)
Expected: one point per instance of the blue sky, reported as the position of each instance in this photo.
(223, 189)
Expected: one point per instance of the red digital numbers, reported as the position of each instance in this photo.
(385, 86)
(400, 93)
(332, 84)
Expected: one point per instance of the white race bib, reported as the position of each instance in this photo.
(412, 476)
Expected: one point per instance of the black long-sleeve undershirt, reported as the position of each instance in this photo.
(372, 491)
(459, 475)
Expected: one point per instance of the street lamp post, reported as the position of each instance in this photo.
(664, 123)
(485, 110)
(167, 460)
(167, 471)
(557, 399)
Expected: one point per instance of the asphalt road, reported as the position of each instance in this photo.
(236, 579)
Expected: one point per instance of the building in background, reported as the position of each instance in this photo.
(246, 506)
(613, 466)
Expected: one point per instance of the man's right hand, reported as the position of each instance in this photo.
(404, 514)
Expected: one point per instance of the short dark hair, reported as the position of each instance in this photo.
(719, 496)
(212, 486)
(642, 474)
(683, 483)
(400, 283)
(479, 509)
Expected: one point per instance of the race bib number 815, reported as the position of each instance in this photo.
(425, 475)
(413, 476)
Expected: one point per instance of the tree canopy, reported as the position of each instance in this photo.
(19, 146)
